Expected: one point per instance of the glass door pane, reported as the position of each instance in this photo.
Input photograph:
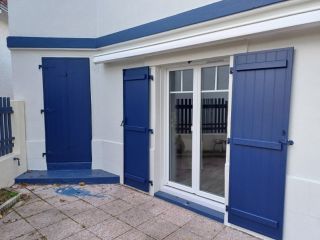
(180, 117)
(214, 115)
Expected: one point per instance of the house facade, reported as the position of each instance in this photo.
(208, 103)
(5, 60)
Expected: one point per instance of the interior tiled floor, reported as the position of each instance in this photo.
(93, 212)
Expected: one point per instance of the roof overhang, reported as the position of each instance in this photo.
(201, 38)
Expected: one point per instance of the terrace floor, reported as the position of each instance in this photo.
(93, 212)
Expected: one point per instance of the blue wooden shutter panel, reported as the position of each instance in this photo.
(259, 140)
(136, 127)
(67, 113)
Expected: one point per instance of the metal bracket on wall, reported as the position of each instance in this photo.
(17, 159)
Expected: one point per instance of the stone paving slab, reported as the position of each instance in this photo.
(104, 212)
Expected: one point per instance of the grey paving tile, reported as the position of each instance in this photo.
(45, 193)
(155, 206)
(116, 207)
(119, 191)
(61, 230)
(33, 208)
(134, 235)
(46, 218)
(110, 229)
(136, 198)
(182, 234)
(35, 235)
(177, 215)
(83, 235)
(100, 188)
(91, 217)
(204, 227)
(233, 234)
(75, 207)
(135, 216)
(158, 228)
(16, 229)
(29, 198)
(98, 200)
(60, 200)
(39, 187)
(10, 217)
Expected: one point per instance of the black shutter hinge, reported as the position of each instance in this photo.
(150, 182)
(44, 155)
(228, 140)
(151, 77)
(231, 70)
(227, 208)
(42, 67)
(151, 131)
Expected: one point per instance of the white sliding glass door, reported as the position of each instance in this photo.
(198, 114)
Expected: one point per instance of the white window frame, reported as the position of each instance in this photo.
(196, 128)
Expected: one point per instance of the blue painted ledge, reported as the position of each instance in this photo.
(68, 177)
(197, 208)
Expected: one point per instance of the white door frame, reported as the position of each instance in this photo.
(196, 129)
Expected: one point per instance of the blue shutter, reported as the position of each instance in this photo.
(67, 110)
(259, 140)
(136, 127)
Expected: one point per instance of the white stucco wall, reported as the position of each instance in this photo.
(123, 14)
(51, 18)
(9, 168)
(5, 58)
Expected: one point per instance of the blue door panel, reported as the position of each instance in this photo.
(67, 105)
(136, 127)
(259, 140)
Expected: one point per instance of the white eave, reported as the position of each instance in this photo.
(299, 17)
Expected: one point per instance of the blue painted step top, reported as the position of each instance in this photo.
(96, 176)
(197, 208)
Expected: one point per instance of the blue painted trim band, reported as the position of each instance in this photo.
(50, 42)
(197, 208)
(199, 15)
